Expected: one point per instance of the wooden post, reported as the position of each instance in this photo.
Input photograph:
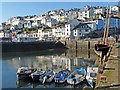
(88, 45)
(76, 53)
(88, 53)
(76, 45)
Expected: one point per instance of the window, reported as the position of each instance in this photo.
(67, 29)
(67, 33)
(79, 33)
(75, 33)
(86, 30)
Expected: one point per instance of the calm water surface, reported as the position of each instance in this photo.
(57, 60)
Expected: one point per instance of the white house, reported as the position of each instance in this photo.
(4, 34)
(28, 24)
(92, 24)
(55, 16)
(81, 30)
(98, 16)
(115, 8)
(71, 14)
(59, 32)
(3, 26)
(69, 28)
(49, 21)
(100, 10)
(35, 23)
(86, 12)
(15, 22)
(30, 18)
(5, 37)
(44, 34)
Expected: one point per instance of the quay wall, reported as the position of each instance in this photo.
(30, 46)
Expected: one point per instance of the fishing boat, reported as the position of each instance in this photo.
(24, 72)
(61, 76)
(49, 77)
(76, 76)
(101, 49)
(36, 75)
(91, 75)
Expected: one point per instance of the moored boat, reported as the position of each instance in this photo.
(104, 47)
(24, 72)
(49, 77)
(36, 75)
(61, 76)
(91, 75)
(76, 76)
(101, 47)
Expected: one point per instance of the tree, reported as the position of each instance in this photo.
(26, 30)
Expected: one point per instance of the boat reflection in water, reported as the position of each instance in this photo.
(39, 60)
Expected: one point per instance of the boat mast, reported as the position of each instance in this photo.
(106, 29)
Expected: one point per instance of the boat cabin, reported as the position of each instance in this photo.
(92, 73)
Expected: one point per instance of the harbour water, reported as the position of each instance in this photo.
(56, 60)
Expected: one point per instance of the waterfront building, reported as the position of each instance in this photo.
(114, 22)
(3, 26)
(92, 25)
(86, 12)
(100, 10)
(55, 16)
(30, 18)
(62, 19)
(115, 9)
(59, 32)
(90, 17)
(99, 24)
(32, 34)
(71, 14)
(28, 24)
(45, 34)
(98, 16)
(5, 37)
(81, 30)
(35, 23)
(69, 28)
(49, 21)
(15, 23)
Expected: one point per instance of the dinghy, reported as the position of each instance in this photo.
(91, 76)
(36, 75)
(24, 72)
(61, 77)
(76, 76)
(49, 77)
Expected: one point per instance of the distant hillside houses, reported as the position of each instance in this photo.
(64, 24)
